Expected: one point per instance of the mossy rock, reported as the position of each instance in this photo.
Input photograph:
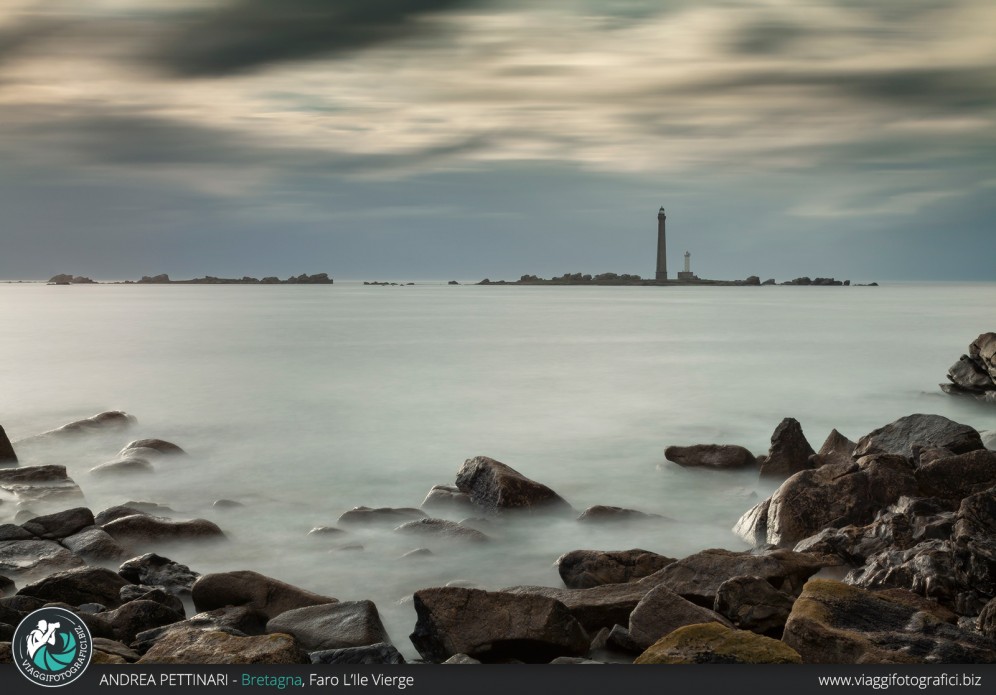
(712, 643)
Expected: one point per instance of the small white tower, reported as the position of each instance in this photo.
(687, 274)
(688, 262)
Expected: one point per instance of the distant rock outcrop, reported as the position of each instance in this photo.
(974, 374)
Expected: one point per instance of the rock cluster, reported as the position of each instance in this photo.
(974, 374)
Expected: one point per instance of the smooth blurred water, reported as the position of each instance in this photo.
(303, 402)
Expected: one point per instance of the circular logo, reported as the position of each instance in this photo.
(52, 647)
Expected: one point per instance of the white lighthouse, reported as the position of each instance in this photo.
(687, 274)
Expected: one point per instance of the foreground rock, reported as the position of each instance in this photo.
(25, 559)
(137, 616)
(494, 626)
(751, 603)
(583, 569)
(974, 374)
(833, 623)
(59, 525)
(923, 431)
(153, 570)
(383, 653)
(95, 545)
(661, 612)
(498, 488)
(194, 646)
(790, 451)
(699, 576)
(713, 643)
(718, 456)
(79, 586)
(7, 455)
(957, 477)
(41, 486)
(598, 607)
(252, 590)
(832, 495)
(332, 625)
(836, 449)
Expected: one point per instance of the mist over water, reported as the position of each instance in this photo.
(303, 402)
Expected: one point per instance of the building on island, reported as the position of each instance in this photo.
(687, 274)
(661, 246)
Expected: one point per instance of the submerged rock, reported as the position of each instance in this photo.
(720, 456)
(332, 625)
(583, 569)
(441, 528)
(713, 643)
(109, 421)
(833, 623)
(604, 514)
(497, 488)
(383, 515)
(448, 498)
(143, 447)
(494, 626)
(126, 466)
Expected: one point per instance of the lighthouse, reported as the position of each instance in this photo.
(687, 274)
(661, 246)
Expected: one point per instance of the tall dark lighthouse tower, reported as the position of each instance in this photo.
(661, 246)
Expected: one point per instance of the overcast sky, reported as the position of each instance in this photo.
(417, 139)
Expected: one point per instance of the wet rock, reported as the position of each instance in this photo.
(661, 612)
(751, 603)
(115, 648)
(140, 530)
(332, 625)
(959, 476)
(713, 643)
(599, 606)
(95, 545)
(138, 616)
(574, 660)
(13, 532)
(194, 646)
(6, 586)
(447, 498)
(974, 374)
(80, 585)
(7, 455)
(719, 456)
(833, 623)
(383, 515)
(252, 590)
(461, 659)
(836, 495)
(6, 655)
(583, 569)
(987, 620)
(60, 524)
(325, 531)
(227, 504)
(497, 488)
(789, 452)
(698, 577)
(237, 621)
(494, 626)
(417, 553)
(382, 653)
(41, 485)
(603, 514)
(138, 592)
(117, 512)
(35, 558)
(753, 525)
(901, 436)
(836, 449)
(126, 466)
(441, 528)
(143, 448)
(158, 571)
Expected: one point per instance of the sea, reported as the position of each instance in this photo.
(302, 402)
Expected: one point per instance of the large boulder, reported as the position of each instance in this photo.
(158, 571)
(194, 646)
(956, 477)
(332, 625)
(713, 643)
(79, 586)
(751, 603)
(975, 373)
(252, 590)
(33, 558)
(134, 617)
(900, 437)
(59, 525)
(494, 626)
(661, 612)
(718, 456)
(7, 455)
(834, 495)
(583, 569)
(699, 576)
(498, 488)
(833, 623)
(789, 452)
(140, 530)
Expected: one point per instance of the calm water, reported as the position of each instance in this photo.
(303, 402)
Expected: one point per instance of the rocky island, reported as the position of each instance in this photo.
(974, 374)
(636, 280)
(164, 279)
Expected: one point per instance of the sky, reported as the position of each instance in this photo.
(462, 139)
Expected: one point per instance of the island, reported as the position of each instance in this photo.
(164, 279)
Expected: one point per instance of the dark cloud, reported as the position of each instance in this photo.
(245, 35)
